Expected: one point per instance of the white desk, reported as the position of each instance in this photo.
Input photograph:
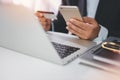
(16, 66)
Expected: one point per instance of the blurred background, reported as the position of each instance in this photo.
(37, 5)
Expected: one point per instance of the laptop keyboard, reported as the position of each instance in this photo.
(64, 50)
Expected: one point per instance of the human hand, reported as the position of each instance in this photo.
(87, 28)
(44, 22)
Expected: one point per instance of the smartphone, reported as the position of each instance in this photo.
(70, 12)
(49, 15)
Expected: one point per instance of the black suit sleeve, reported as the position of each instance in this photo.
(60, 24)
(108, 15)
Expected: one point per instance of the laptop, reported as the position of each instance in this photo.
(21, 31)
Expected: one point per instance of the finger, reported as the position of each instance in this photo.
(79, 19)
(83, 34)
(74, 29)
(79, 34)
(39, 15)
(91, 23)
(42, 19)
(79, 24)
(48, 22)
(44, 24)
(89, 20)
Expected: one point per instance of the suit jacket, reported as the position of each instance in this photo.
(108, 15)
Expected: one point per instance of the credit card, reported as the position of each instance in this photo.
(49, 15)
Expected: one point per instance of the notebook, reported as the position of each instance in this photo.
(102, 58)
(21, 31)
(108, 56)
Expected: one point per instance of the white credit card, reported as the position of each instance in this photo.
(49, 15)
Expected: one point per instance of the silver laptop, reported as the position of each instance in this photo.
(20, 31)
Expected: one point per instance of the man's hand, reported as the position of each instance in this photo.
(87, 28)
(44, 22)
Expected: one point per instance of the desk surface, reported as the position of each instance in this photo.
(16, 66)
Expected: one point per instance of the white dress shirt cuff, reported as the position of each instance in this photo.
(102, 35)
